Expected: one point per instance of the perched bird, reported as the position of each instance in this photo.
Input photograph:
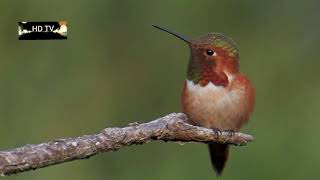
(215, 94)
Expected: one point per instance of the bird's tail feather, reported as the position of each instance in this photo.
(219, 156)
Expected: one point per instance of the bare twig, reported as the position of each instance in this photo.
(172, 127)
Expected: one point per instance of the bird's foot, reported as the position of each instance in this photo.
(217, 132)
(230, 132)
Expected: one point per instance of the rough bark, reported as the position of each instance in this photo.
(172, 127)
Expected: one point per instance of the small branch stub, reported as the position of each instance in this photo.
(172, 127)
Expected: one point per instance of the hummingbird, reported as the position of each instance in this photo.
(215, 93)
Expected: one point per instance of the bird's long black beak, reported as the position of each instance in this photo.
(176, 34)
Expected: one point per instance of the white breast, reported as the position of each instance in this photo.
(214, 106)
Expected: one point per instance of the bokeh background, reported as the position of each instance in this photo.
(115, 69)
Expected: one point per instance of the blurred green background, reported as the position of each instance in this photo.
(115, 69)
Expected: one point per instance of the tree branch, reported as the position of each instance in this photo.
(172, 127)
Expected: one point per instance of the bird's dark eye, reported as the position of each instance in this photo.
(210, 52)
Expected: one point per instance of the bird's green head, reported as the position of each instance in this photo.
(213, 56)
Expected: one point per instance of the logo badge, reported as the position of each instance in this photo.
(42, 30)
